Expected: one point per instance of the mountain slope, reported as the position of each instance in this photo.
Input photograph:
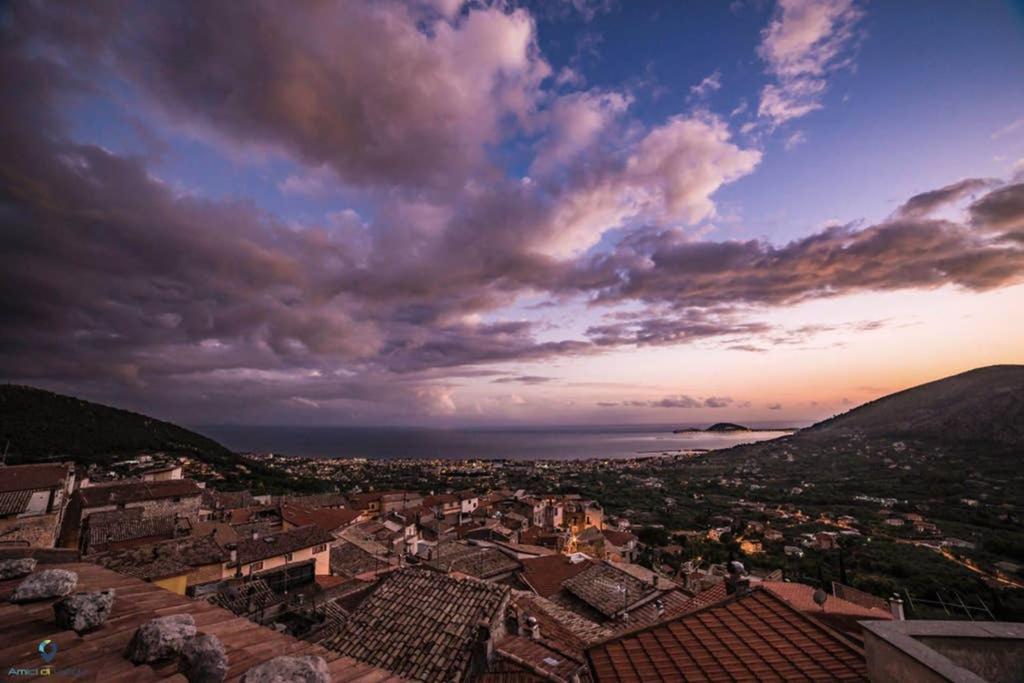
(37, 425)
(985, 404)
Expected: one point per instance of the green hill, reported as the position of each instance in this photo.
(37, 425)
(40, 425)
(981, 405)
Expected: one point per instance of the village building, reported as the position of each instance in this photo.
(426, 625)
(33, 499)
(304, 547)
(732, 639)
(176, 497)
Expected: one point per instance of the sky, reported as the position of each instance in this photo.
(449, 212)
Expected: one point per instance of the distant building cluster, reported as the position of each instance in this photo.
(495, 585)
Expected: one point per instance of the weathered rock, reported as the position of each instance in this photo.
(49, 583)
(15, 569)
(83, 611)
(161, 638)
(203, 660)
(287, 669)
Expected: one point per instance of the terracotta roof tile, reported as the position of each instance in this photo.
(246, 644)
(420, 624)
(481, 562)
(755, 636)
(111, 494)
(252, 550)
(163, 559)
(328, 519)
(608, 589)
(33, 477)
(546, 574)
(14, 502)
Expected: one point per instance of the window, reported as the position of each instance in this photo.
(320, 548)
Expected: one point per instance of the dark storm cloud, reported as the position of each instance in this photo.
(925, 203)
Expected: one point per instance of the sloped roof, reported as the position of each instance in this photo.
(481, 562)
(163, 559)
(618, 538)
(349, 559)
(129, 528)
(33, 477)
(247, 644)
(754, 636)
(546, 574)
(537, 656)
(279, 543)
(328, 519)
(14, 502)
(569, 631)
(132, 492)
(420, 624)
(607, 589)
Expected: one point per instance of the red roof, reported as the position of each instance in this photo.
(838, 613)
(33, 477)
(135, 491)
(328, 519)
(545, 574)
(618, 538)
(756, 636)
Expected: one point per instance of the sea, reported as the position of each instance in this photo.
(504, 443)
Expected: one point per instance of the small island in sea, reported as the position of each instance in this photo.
(721, 427)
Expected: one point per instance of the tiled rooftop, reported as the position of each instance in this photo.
(129, 528)
(567, 630)
(99, 654)
(348, 559)
(481, 562)
(163, 559)
(420, 624)
(753, 637)
(546, 574)
(112, 494)
(251, 550)
(328, 519)
(14, 502)
(607, 589)
(32, 477)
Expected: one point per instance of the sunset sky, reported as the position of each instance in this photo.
(439, 212)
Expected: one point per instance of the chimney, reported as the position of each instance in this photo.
(660, 607)
(654, 581)
(512, 622)
(255, 534)
(483, 648)
(896, 607)
(533, 627)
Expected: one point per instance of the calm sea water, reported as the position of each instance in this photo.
(547, 443)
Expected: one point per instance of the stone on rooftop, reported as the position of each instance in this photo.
(289, 669)
(83, 611)
(203, 659)
(15, 569)
(49, 583)
(161, 638)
